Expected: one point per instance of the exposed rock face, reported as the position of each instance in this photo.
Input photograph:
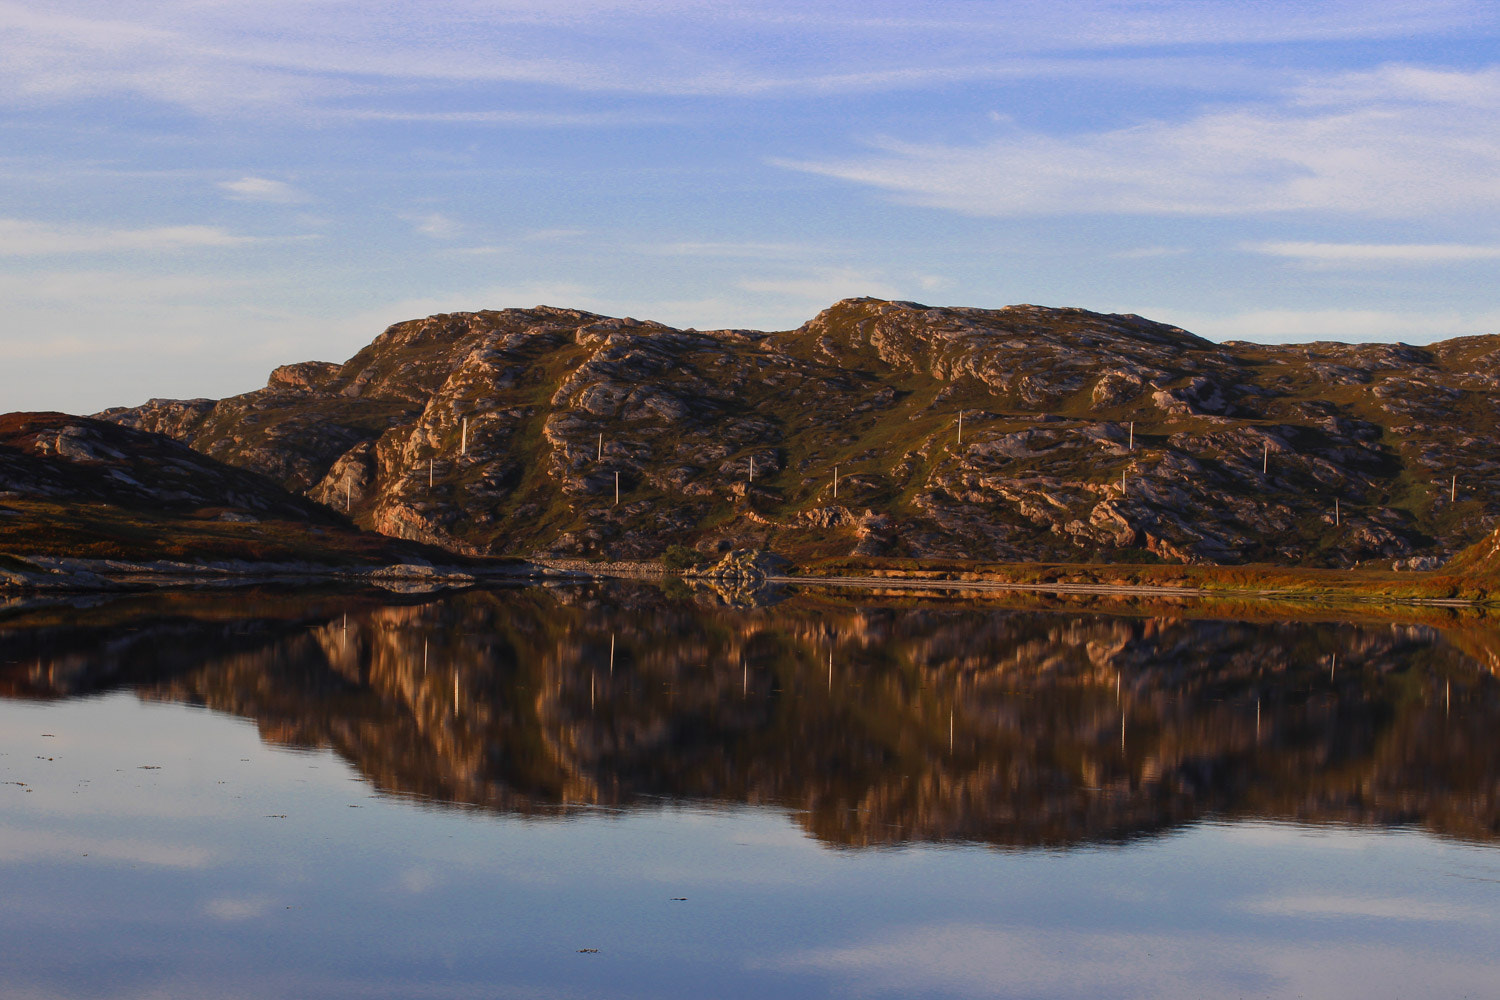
(1085, 436)
(745, 567)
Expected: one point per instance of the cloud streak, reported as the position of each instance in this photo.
(1345, 254)
(1412, 145)
(28, 238)
(262, 189)
(1293, 326)
(290, 53)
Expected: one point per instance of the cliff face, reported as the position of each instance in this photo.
(1084, 436)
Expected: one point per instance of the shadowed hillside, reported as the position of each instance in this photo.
(72, 486)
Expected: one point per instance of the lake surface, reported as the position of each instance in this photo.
(616, 792)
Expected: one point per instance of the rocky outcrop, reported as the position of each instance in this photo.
(1084, 437)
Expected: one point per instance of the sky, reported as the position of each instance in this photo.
(195, 191)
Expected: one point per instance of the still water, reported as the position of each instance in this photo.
(616, 792)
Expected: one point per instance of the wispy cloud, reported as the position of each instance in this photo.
(1150, 962)
(1367, 907)
(821, 286)
(236, 908)
(514, 119)
(730, 250)
(554, 235)
(1343, 254)
(435, 225)
(1148, 253)
(293, 53)
(18, 844)
(262, 189)
(27, 238)
(1384, 155)
(1290, 326)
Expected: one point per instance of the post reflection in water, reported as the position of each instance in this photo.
(941, 723)
(610, 791)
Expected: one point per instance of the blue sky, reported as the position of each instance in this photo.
(193, 191)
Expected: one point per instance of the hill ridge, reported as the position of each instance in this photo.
(1086, 436)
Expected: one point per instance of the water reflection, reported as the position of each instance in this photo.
(876, 725)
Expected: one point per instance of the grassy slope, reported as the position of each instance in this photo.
(40, 528)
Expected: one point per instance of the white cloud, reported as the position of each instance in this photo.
(235, 908)
(296, 53)
(987, 961)
(821, 286)
(1291, 326)
(517, 119)
(1382, 155)
(1366, 907)
(1333, 254)
(262, 189)
(1147, 253)
(487, 250)
(23, 845)
(435, 225)
(28, 238)
(554, 235)
(1405, 83)
(730, 250)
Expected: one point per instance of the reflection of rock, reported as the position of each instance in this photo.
(734, 593)
(875, 725)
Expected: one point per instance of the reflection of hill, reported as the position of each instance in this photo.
(1014, 728)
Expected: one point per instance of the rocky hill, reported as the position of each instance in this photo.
(79, 487)
(1083, 437)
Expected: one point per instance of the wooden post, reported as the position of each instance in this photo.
(1123, 490)
(960, 428)
(1335, 512)
(1453, 491)
(1131, 445)
(1265, 459)
(599, 455)
(346, 496)
(429, 473)
(463, 442)
(752, 468)
(835, 482)
(611, 654)
(617, 486)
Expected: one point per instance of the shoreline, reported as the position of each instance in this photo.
(73, 575)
